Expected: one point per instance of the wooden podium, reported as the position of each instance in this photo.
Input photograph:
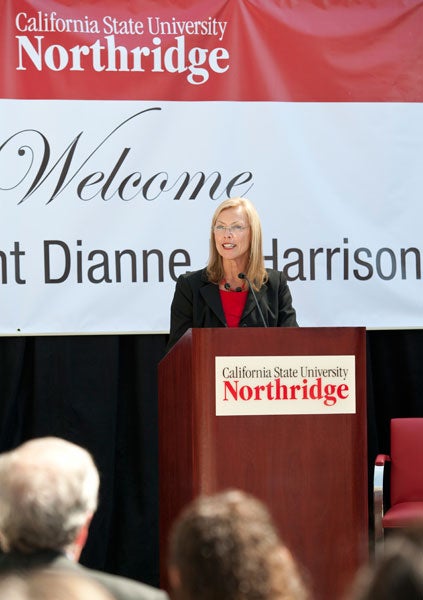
(309, 469)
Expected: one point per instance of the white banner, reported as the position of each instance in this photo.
(104, 203)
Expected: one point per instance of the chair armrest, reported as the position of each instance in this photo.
(378, 497)
(381, 459)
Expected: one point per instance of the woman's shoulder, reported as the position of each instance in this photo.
(194, 278)
(195, 275)
(275, 276)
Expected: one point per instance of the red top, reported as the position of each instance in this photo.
(233, 305)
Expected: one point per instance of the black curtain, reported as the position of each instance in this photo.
(101, 392)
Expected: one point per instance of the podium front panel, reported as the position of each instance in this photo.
(309, 469)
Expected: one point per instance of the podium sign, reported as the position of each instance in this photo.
(285, 385)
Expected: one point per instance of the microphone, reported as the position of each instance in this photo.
(243, 276)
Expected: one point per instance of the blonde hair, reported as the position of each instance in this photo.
(255, 270)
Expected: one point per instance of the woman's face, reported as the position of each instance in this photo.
(232, 234)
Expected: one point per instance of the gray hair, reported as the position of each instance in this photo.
(48, 490)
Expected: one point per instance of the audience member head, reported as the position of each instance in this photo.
(51, 585)
(397, 574)
(226, 547)
(48, 494)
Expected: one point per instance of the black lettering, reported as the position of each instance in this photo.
(298, 264)
(173, 263)
(363, 263)
(416, 253)
(118, 261)
(48, 244)
(104, 265)
(146, 254)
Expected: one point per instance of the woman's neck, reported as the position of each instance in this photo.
(232, 269)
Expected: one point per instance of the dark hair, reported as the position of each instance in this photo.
(397, 574)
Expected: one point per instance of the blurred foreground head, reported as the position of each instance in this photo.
(226, 547)
(398, 573)
(48, 494)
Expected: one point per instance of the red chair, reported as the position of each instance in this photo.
(404, 502)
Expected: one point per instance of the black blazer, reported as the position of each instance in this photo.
(196, 303)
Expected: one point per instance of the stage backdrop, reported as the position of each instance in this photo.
(124, 125)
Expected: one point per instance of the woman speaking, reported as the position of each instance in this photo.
(235, 289)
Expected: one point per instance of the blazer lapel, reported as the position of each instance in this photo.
(250, 305)
(211, 296)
